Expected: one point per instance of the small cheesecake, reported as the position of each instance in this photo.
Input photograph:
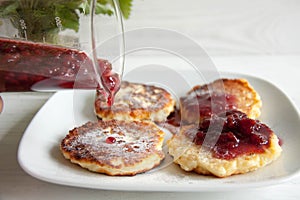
(115, 147)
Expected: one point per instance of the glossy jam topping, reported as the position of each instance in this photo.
(110, 140)
(205, 103)
(240, 135)
(208, 103)
(174, 118)
(24, 65)
(111, 82)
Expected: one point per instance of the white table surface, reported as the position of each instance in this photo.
(254, 37)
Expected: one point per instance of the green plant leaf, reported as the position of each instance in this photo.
(8, 9)
(84, 8)
(125, 6)
(40, 15)
(68, 15)
(103, 9)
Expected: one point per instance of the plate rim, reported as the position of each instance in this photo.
(166, 188)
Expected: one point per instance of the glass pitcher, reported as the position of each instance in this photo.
(57, 44)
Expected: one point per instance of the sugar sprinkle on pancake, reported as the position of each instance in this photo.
(136, 101)
(115, 147)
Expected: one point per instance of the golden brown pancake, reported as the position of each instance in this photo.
(243, 145)
(115, 147)
(136, 101)
(224, 94)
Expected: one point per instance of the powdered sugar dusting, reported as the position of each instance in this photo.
(136, 96)
(132, 141)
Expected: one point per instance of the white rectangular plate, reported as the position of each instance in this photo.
(39, 153)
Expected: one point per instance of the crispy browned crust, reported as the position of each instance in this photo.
(137, 101)
(190, 157)
(248, 100)
(138, 147)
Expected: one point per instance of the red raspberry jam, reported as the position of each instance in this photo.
(240, 135)
(208, 103)
(203, 103)
(174, 118)
(111, 82)
(110, 140)
(23, 64)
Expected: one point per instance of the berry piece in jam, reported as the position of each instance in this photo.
(240, 135)
(110, 140)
